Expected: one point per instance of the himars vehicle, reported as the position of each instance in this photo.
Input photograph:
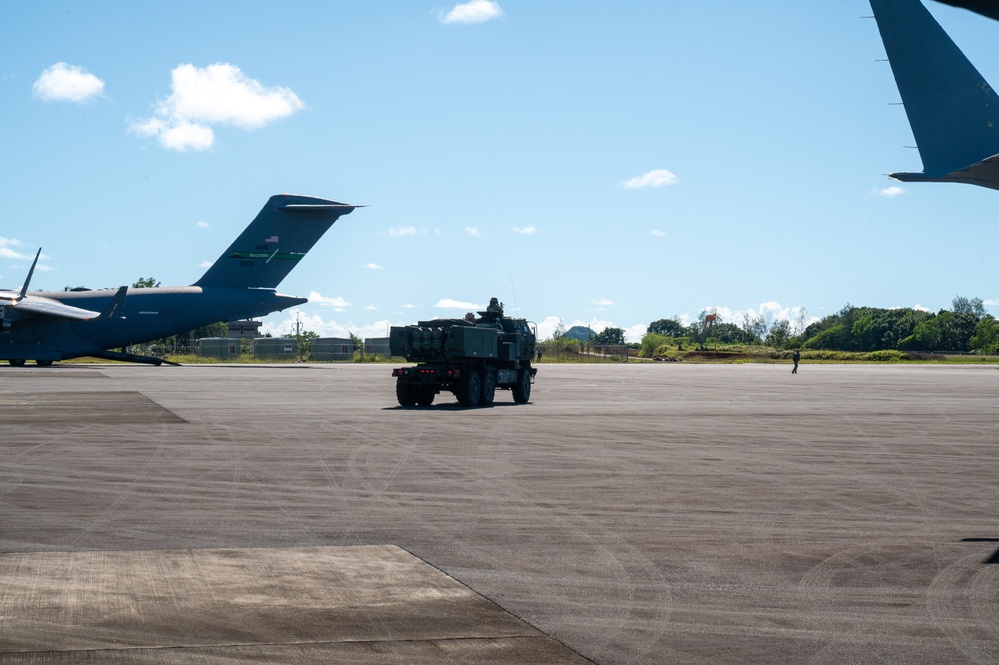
(241, 284)
(472, 358)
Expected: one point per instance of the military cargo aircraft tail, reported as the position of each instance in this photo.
(953, 111)
(275, 241)
(50, 326)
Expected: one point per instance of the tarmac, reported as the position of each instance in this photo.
(657, 513)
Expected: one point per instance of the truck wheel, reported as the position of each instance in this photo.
(405, 393)
(488, 388)
(425, 396)
(470, 388)
(16, 362)
(522, 389)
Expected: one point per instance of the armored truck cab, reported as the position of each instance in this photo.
(470, 357)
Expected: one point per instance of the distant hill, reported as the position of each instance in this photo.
(581, 333)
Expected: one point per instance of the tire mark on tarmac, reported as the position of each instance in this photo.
(266, 491)
(126, 491)
(610, 551)
(234, 463)
(961, 603)
(12, 466)
(339, 492)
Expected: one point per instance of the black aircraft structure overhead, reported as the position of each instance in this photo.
(241, 284)
(988, 8)
(952, 109)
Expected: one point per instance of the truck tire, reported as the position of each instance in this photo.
(522, 389)
(16, 362)
(405, 393)
(470, 387)
(425, 396)
(488, 388)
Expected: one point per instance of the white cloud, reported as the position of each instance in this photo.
(374, 266)
(548, 327)
(317, 324)
(473, 231)
(447, 303)
(401, 231)
(991, 302)
(635, 333)
(370, 308)
(525, 230)
(205, 264)
(474, 11)
(596, 325)
(771, 311)
(201, 224)
(892, 192)
(657, 233)
(921, 308)
(179, 136)
(654, 178)
(63, 82)
(336, 302)
(409, 306)
(7, 251)
(602, 302)
(218, 94)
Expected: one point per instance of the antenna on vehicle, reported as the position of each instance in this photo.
(512, 288)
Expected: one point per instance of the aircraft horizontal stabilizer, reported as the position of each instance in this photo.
(317, 206)
(984, 174)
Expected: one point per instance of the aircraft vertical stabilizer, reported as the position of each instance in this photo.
(953, 111)
(272, 245)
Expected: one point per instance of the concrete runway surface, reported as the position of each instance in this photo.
(661, 513)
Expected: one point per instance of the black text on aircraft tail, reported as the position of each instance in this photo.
(272, 245)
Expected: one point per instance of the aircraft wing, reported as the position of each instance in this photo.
(49, 307)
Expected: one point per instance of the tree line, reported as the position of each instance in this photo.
(964, 328)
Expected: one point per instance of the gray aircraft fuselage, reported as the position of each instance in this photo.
(147, 314)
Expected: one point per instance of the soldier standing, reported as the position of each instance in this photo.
(796, 356)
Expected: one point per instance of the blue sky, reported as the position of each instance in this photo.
(603, 163)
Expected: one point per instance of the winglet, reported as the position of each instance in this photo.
(24, 289)
(953, 111)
